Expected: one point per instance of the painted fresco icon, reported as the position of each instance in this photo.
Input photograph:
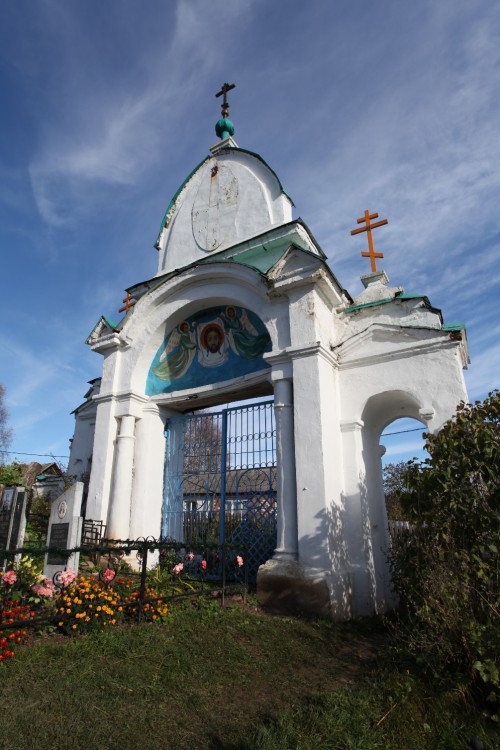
(178, 353)
(213, 345)
(244, 339)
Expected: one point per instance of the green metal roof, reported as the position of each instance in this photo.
(261, 258)
(108, 322)
(449, 327)
(398, 296)
(370, 304)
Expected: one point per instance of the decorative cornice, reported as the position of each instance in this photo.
(315, 349)
(353, 426)
(111, 341)
(410, 351)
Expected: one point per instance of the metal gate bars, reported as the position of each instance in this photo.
(220, 481)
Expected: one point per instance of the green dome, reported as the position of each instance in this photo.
(224, 128)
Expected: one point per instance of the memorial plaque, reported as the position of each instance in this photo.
(12, 519)
(7, 498)
(65, 531)
(58, 538)
(17, 521)
(4, 529)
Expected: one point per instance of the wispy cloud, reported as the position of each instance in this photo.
(119, 137)
(425, 150)
(484, 374)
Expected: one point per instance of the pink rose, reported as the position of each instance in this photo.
(178, 568)
(46, 589)
(9, 578)
(67, 577)
(108, 575)
(204, 564)
(239, 560)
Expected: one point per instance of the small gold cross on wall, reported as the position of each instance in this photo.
(129, 302)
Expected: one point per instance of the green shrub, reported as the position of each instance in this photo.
(445, 568)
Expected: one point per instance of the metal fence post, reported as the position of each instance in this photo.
(245, 569)
(144, 570)
(223, 598)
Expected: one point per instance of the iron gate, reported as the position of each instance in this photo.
(220, 481)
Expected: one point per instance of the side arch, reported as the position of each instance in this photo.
(379, 411)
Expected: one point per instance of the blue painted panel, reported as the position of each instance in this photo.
(215, 344)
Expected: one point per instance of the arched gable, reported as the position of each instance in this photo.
(214, 344)
(193, 295)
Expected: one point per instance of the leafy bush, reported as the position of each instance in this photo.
(12, 474)
(394, 476)
(445, 568)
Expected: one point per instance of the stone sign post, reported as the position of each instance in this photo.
(12, 519)
(65, 531)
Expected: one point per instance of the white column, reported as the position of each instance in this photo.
(358, 532)
(119, 509)
(147, 491)
(102, 460)
(287, 541)
(313, 385)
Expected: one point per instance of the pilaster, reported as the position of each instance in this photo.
(147, 490)
(119, 507)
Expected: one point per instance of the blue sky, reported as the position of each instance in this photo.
(107, 106)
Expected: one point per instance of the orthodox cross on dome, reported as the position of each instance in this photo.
(368, 229)
(223, 92)
(129, 302)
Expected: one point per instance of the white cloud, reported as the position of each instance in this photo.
(484, 373)
(118, 139)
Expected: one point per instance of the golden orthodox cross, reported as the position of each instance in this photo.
(223, 92)
(368, 229)
(129, 302)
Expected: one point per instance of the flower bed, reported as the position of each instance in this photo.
(101, 598)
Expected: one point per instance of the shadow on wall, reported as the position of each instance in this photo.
(324, 554)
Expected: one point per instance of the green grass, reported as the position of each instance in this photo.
(226, 678)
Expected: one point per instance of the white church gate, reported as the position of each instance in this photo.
(244, 301)
(220, 481)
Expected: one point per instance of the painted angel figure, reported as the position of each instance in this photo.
(244, 339)
(178, 354)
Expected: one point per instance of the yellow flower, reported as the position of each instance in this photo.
(74, 626)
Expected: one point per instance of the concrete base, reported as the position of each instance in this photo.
(283, 589)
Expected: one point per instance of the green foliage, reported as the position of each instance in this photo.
(394, 476)
(12, 475)
(446, 567)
